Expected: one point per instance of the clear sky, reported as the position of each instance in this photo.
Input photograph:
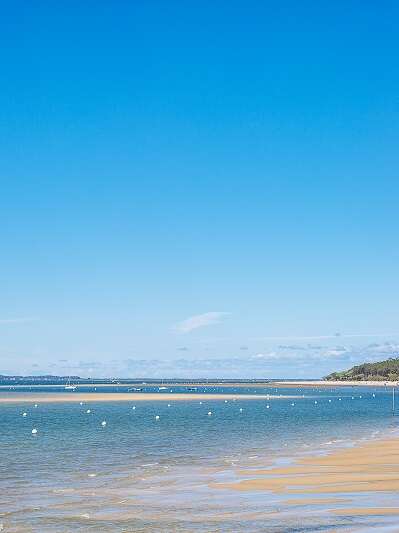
(198, 189)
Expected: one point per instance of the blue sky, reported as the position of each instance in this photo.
(198, 190)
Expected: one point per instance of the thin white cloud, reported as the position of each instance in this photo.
(22, 320)
(318, 337)
(200, 321)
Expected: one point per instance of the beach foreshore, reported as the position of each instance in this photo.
(43, 397)
(368, 467)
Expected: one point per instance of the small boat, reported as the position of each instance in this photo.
(69, 385)
(134, 389)
(163, 388)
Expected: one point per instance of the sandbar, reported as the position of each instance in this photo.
(60, 397)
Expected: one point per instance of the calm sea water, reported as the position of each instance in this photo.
(139, 473)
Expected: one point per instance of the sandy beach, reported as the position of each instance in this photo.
(40, 397)
(371, 467)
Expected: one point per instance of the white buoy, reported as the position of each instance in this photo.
(240, 409)
(200, 403)
(34, 431)
(157, 417)
(329, 401)
(209, 413)
(267, 406)
(81, 403)
(225, 401)
(373, 395)
(35, 404)
(292, 404)
(315, 401)
(339, 399)
(24, 414)
(88, 411)
(134, 407)
(103, 423)
(168, 404)
(353, 397)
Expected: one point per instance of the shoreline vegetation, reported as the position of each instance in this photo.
(387, 370)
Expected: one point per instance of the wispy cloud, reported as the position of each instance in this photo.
(22, 320)
(200, 321)
(318, 337)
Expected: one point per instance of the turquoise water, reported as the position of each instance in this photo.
(139, 473)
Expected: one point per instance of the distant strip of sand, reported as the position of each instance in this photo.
(60, 397)
(335, 384)
(369, 467)
(215, 384)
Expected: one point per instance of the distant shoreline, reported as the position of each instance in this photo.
(322, 383)
(215, 384)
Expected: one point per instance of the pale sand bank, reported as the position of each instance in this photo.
(57, 397)
(315, 501)
(369, 467)
(330, 384)
(367, 511)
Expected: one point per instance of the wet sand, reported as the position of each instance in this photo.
(60, 397)
(367, 511)
(368, 467)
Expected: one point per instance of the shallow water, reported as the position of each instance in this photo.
(142, 474)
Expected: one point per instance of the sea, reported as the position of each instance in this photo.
(150, 466)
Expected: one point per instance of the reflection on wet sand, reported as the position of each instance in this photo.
(371, 468)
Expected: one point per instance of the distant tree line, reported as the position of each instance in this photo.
(381, 371)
